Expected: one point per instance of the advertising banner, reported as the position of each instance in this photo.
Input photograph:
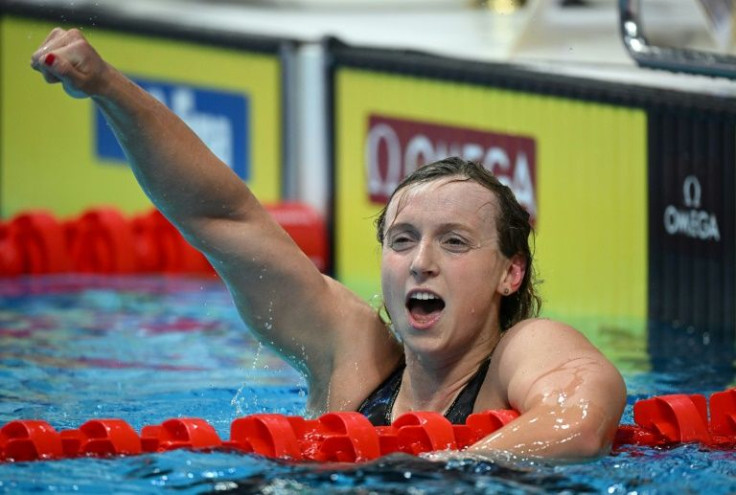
(692, 253)
(395, 148)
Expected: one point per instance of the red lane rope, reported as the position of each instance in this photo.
(103, 240)
(349, 437)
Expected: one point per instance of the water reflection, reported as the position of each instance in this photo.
(692, 355)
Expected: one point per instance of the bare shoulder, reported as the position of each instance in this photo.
(537, 354)
(544, 335)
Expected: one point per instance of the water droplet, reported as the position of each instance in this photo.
(376, 301)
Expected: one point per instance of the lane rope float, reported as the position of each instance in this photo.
(660, 421)
(104, 240)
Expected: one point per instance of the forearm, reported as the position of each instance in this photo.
(572, 433)
(174, 167)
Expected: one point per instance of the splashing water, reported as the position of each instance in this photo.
(238, 399)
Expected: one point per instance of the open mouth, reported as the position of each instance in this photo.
(424, 307)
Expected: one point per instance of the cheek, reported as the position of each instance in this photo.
(388, 271)
(483, 277)
(391, 277)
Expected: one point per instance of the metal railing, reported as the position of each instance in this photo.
(668, 58)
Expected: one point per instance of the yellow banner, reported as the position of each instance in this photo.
(56, 154)
(579, 167)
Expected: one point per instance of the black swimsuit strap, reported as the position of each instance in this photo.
(378, 406)
(464, 403)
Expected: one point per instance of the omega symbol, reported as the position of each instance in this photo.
(691, 221)
(691, 191)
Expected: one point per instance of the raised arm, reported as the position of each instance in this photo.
(278, 291)
(569, 395)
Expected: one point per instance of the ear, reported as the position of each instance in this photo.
(513, 276)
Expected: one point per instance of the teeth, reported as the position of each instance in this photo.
(423, 296)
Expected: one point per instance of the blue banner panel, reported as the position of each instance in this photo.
(219, 118)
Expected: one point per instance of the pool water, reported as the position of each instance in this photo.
(147, 349)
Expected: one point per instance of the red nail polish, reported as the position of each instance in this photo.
(50, 59)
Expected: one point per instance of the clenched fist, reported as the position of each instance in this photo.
(68, 58)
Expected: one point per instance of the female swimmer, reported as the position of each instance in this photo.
(456, 275)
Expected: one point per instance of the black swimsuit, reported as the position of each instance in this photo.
(378, 406)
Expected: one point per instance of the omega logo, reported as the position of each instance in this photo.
(691, 221)
(691, 191)
(394, 148)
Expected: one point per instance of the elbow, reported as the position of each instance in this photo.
(591, 441)
(584, 434)
(593, 436)
(598, 422)
(585, 442)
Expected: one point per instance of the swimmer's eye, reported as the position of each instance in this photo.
(455, 244)
(400, 242)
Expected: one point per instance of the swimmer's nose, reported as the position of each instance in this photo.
(424, 263)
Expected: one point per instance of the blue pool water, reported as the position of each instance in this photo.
(147, 349)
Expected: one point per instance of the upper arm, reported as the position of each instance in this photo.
(309, 318)
(546, 364)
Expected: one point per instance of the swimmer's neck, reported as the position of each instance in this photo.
(432, 384)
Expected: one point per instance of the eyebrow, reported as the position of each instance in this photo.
(399, 226)
(443, 227)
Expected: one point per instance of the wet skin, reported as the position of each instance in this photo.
(441, 240)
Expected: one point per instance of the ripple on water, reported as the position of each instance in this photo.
(146, 349)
